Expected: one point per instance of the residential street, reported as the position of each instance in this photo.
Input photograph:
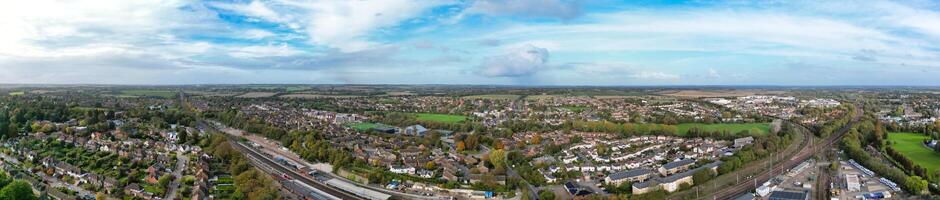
(178, 174)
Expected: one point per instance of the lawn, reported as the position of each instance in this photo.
(494, 96)
(911, 145)
(733, 128)
(362, 126)
(17, 93)
(147, 93)
(428, 117)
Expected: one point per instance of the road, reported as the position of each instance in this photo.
(181, 160)
(750, 184)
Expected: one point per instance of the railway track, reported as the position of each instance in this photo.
(291, 173)
(803, 154)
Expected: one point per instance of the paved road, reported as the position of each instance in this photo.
(806, 153)
(181, 160)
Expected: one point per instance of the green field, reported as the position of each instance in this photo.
(17, 93)
(494, 96)
(428, 117)
(362, 126)
(763, 128)
(911, 145)
(147, 93)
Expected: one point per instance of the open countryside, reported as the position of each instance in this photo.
(912, 146)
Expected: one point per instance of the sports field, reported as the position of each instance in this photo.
(147, 93)
(17, 93)
(362, 126)
(428, 117)
(762, 128)
(911, 145)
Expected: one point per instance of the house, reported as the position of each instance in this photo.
(741, 142)
(399, 169)
(549, 178)
(417, 130)
(676, 167)
(576, 190)
(68, 169)
(673, 182)
(636, 175)
(425, 173)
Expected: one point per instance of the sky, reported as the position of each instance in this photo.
(492, 42)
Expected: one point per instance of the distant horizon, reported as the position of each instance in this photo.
(484, 85)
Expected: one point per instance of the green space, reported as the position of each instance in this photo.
(147, 93)
(912, 146)
(762, 128)
(362, 126)
(575, 108)
(494, 96)
(445, 118)
(17, 93)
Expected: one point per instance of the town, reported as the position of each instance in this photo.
(246, 143)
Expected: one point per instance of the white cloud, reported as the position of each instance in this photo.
(559, 9)
(655, 76)
(520, 62)
(346, 25)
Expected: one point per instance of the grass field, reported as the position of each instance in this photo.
(494, 96)
(147, 93)
(17, 93)
(911, 145)
(362, 126)
(440, 118)
(763, 128)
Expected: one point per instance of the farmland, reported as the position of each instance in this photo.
(910, 144)
(428, 117)
(763, 128)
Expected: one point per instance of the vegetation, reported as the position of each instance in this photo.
(249, 182)
(445, 118)
(911, 146)
(362, 126)
(870, 132)
(752, 128)
(11, 189)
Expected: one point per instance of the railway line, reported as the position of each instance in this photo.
(806, 153)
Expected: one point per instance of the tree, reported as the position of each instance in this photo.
(546, 194)
(18, 190)
(916, 183)
(537, 139)
(101, 196)
(498, 157)
(164, 181)
(461, 146)
(183, 137)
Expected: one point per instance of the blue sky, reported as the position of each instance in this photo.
(509, 42)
